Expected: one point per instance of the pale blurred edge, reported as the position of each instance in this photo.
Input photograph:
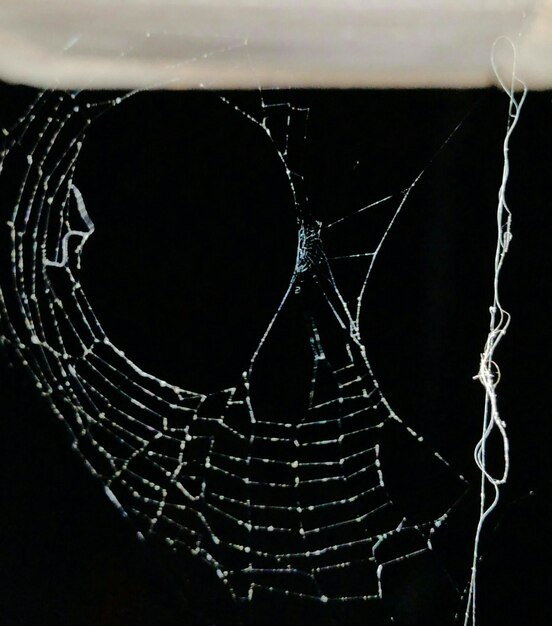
(225, 44)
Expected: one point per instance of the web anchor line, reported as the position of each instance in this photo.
(489, 372)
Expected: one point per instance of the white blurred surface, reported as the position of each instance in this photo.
(272, 43)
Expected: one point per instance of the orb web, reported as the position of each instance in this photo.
(291, 505)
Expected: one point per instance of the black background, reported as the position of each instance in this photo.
(194, 246)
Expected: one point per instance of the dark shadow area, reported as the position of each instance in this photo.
(194, 247)
(195, 239)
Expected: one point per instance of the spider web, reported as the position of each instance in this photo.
(285, 505)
